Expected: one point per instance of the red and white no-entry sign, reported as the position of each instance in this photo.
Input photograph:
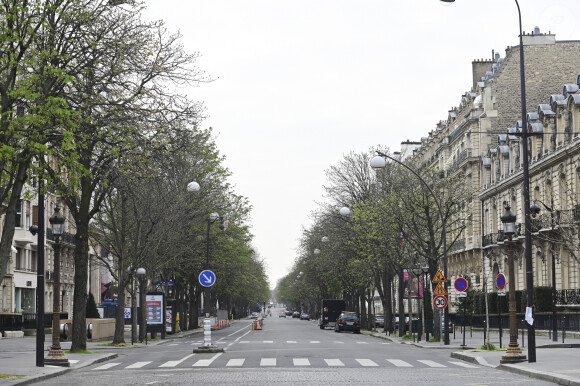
(440, 302)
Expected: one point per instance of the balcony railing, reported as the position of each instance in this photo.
(67, 238)
(568, 297)
(457, 245)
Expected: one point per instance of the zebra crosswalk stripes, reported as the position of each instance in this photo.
(463, 364)
(107, 366)
(399, 363)
(301, 362)
(430, 363)
(138, 365)
(367, 362)
(268, 362)
(206, 362)
(177, 362)
(295, 362)
(334, 362)
(238, 362)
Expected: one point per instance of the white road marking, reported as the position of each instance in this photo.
(138, 365)
(366, 362)
(291, 341)
(206, 362)
(241, 329)
(107, 366)
(362, 342)
(399, 363)
(301, 362)
(268, 341)
(334, 362)
(235, 362)
(314, 341)
(463, 364)
(235, 341)
(339, 342)
(268, 362)
(430, 363)
(244, 341)
(175, 363)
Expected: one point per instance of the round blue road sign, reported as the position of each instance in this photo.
(460, 284)
(500, 281)
(207, 278)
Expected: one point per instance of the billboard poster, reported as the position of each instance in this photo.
(154, 309)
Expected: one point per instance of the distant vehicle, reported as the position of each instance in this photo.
(295, 314)
(380, 321)
(282, 314)
(347, 321)
(254, 315)
(331, 309)
(288, 313)
(304, 316)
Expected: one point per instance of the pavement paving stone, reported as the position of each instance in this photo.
(557, 362)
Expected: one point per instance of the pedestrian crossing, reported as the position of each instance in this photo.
(217, 361)
(269, 342)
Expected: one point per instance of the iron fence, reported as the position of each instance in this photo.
(542, 321)
(25, 321)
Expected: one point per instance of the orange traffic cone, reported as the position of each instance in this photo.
(258, 327)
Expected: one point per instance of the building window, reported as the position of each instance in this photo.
(19, 214)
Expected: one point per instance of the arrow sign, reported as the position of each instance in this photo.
(207, 278)
(460, 284)
(500, 281)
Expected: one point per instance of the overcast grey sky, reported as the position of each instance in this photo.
(299, 83)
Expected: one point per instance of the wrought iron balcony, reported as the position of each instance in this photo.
(568, 297)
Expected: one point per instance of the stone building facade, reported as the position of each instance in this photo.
(478, 141)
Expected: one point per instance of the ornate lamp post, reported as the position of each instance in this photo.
(55, 355)
(514, 353)
(526, 195)
(141, 273)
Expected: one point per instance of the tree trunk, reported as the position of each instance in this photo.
(79, 328)
(401, 305)
(119, 337)
(10, 220)
(81, 254)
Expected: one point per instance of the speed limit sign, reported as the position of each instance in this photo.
(440, 302)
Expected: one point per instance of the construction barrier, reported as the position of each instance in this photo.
(221, 324)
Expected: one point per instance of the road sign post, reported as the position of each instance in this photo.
(461, 285)
(439, 293)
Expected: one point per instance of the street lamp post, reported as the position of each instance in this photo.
(535, 209)
(514, 353)
(526, 196)
(207, 293)
(207, 344)
(55, 355)
(379, 162)
(141, 274)
(40, 266)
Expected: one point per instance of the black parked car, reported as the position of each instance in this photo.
(348, 321)
(295, 314)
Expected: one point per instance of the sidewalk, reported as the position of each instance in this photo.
(555, 361)
(18, 356)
